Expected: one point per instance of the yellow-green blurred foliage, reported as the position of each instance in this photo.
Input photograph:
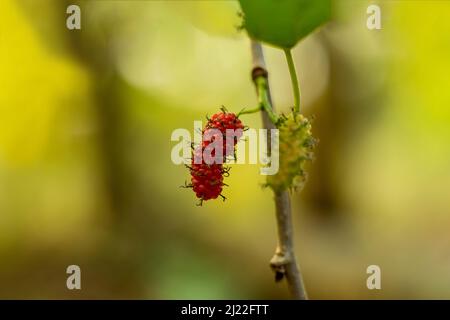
(86, 177)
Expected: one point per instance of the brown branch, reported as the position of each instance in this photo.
(283, 263)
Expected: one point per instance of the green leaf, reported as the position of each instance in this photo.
(283, 23)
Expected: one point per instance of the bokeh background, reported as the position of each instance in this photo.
(86, 177)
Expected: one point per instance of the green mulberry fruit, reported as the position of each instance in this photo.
(295, 148)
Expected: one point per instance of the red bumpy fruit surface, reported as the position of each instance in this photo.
(207, 179)
(223, 121)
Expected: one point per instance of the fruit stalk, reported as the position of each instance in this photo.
(294, 79)
(283, 263)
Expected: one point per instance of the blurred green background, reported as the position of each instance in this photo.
(86, 176)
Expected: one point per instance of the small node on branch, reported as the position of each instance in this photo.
(278, 264)
(259, 72)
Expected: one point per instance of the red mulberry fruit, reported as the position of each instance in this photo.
(207, 175)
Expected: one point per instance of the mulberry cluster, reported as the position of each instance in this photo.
(296, 145)
(207, 176)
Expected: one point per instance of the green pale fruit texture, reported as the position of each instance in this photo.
(282, 23)
(296, 145)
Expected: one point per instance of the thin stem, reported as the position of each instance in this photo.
(294, 80)
(248, 111)
(283, 263)
(262, 89)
